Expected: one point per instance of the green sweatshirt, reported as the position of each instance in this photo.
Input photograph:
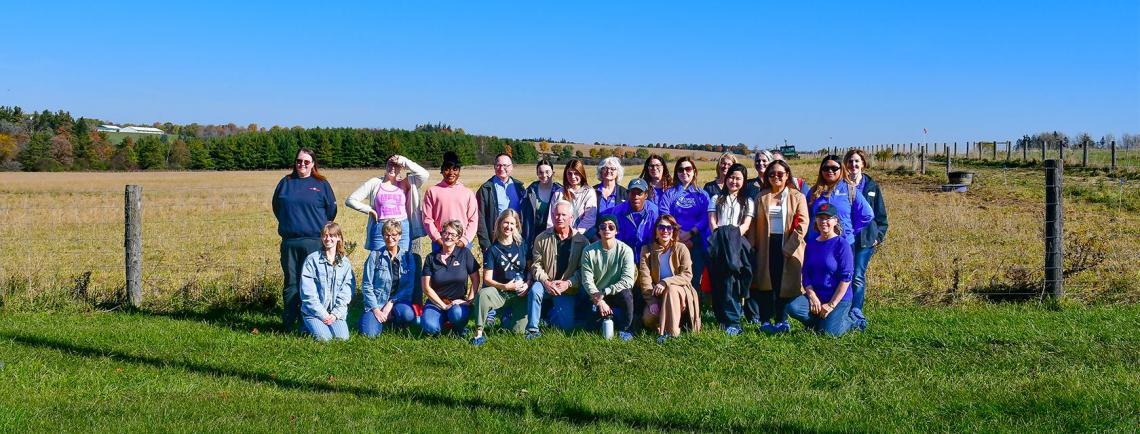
(607, 271)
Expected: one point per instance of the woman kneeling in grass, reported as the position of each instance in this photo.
(327, 284)
(665, 279)
(828, 266)
(389, 283)
(445, 282)
(503, 274)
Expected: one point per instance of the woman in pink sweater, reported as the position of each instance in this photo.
(450, 200)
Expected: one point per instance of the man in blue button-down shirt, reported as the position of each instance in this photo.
(496, 195)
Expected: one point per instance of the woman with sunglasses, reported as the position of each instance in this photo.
(665, 279)
(851, 208)
(450, 277)
(868, 239)
(778, 234)
(391, 198)
(302, 203)
(689, 206)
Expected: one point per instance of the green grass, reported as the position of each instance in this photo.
(968, 368)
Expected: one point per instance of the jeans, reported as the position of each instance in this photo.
(325, 333)
(837, 322)
(726, 305)
(293, 254)
(375, 240)
(622, 305)
(401, 315)
(859, 280)
(561, 313)
(432, 320)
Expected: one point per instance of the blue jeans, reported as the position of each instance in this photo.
(432, 320)
(859, 280)
(837, 322)
(375, 237)
(401, 315)
(561, 313)
(325, 333)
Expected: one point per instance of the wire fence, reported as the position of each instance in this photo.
(219, 246)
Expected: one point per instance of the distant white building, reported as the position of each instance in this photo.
(136, 130)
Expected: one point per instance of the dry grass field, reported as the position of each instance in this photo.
(210, 237)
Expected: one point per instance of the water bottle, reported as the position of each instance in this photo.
(608, 327)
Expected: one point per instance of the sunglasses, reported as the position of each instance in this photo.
(665, 228)
(830, 168)
(303, 162)
(608, 227)
(777, 174)
(687, 169)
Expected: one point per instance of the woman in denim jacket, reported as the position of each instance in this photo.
(389, 284)
(327, 284)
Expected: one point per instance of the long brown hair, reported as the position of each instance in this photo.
(677, 169)
(789, 180)
(666, 180)
(577, 166)
(316, 173)
(862, 156)
(821, 186)
(331, 228)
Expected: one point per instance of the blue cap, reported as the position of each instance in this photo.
(639, 184)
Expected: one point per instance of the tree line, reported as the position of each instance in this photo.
(55, 141)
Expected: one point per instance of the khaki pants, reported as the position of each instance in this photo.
(490, 298)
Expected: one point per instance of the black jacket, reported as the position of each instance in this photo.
(876, 230)
(730, 256)
(533, 223)
(488, 204)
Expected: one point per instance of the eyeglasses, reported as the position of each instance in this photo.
(500, 166)
(608, 227)
(777, 174)
(830, 168)
(665, 228)
(687, 169)
(449, 235)
(303, 162)
(608, 169)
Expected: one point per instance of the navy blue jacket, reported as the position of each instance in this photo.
(303, 206)
(876, 230)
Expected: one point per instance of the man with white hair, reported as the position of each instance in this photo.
(555, 258)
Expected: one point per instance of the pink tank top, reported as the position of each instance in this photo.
(390, 204)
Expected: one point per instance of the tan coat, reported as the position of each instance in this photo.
(544, 258)
(681, 262)
(797, 212)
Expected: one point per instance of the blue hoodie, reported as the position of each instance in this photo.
(853, 215)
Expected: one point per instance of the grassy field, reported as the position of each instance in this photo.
(203, 354)
(926, 369)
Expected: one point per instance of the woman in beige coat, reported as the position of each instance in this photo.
(780, 226)
(665, 277)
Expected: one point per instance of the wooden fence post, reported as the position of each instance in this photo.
(1008, 149)
(132, 243)
(1085, 153)
(1025, 152)
(1054, 229)
(1044, 148)
(922, 159)
(1113, 165)
(946, 150)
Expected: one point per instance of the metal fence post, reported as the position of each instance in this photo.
(1054, 229)
(132, 243)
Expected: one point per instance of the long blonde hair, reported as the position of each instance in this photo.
(516, 237)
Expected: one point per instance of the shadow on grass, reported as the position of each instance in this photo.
(573, 412)
(241, 320)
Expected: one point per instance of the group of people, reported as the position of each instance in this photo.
(648, 254)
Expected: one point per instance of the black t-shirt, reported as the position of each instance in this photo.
(563, 256)
(505, 262)
(449, 280)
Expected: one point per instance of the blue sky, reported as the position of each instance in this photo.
(814, 73)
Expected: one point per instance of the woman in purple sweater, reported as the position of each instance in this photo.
(689, 204)
(825, 306)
